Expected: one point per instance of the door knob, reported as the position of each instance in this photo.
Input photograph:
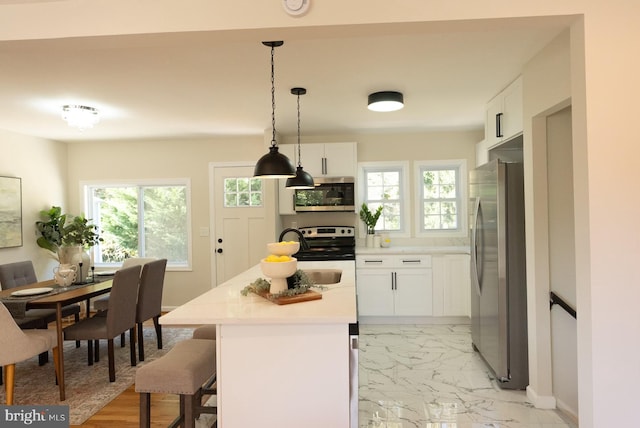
(219, 250)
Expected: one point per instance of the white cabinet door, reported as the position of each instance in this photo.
(413, 289)
(451, 285)
(340, 159)
(330, 159)
(375, 295)
(312, 156)
(503, 118)
(285, 196)
(512, 108)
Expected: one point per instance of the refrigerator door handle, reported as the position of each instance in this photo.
(474, 247)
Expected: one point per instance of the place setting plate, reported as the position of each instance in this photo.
(31, 291)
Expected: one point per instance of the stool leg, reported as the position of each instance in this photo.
(76, 318)
(140, 342)
(145, 410)
(189, 411)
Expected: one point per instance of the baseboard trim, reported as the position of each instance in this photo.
(541, 401)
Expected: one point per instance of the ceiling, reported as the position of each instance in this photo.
(199, 84)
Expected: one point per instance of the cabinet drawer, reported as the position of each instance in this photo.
(375, 261)
(394, 261)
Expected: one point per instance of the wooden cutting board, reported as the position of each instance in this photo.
(286, 300)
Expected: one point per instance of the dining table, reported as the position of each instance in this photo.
(53, 296)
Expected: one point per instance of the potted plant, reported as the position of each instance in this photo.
(67, 241)
(370, 220)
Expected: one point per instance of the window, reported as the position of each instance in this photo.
(385, 184)
(242, 192)
(141, 220)
(441, 205)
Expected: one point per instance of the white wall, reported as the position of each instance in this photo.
(406, 146)
(42, 166)
(546, 88)
(166, 159)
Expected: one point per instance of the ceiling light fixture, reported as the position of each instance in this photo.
(386, 101)
(274, 164)
(79, 116)
(302, 180)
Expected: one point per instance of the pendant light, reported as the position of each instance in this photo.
(302, 180)
(274, 164)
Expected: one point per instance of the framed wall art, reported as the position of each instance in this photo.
(10, 212)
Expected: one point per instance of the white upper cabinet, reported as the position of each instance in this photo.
(285, 196)
(330, 159)
(504, 115)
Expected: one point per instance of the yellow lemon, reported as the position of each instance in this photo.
(272, 258)
(284, 258)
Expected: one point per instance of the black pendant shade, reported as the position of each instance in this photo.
(302, 180)
(274, 165)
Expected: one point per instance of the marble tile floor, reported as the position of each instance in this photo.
(428, 376)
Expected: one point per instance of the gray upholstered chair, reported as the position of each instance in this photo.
(22, 273)
(101, 303)
(150, 300)
(120, 317)
(18, 345)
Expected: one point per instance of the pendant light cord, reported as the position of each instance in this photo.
(299, 158)
(273, 100)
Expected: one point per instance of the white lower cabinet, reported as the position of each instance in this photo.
(394, 285)
(451, 285)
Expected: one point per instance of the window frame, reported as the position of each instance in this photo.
(405, 194)
(460, 165)
(85, 191)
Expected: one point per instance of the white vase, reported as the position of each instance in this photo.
(75, 255)
(369, 240)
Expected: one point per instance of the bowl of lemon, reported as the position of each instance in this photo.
(278, 268)
(284, 248)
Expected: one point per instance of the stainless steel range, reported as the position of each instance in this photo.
(327, 243)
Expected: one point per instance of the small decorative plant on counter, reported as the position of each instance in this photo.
(370, 219)
(299, 280)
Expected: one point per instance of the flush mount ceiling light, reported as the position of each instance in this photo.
(302, 180)
(274, 164)
(81, 117)
(386, 101)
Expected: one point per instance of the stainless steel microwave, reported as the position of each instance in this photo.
(330, 194)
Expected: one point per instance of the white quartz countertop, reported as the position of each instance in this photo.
(413, 250)
(225, 305)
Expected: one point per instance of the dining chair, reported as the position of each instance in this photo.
(22, 273)
(150, 300)
(101, 303)
(120, 317)
(18, 345)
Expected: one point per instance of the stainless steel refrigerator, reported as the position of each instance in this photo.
(498, 271)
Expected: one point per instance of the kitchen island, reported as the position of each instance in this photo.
(279, 365)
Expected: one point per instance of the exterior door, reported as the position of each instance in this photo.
(240, 226)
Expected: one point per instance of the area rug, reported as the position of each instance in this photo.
(87, 387)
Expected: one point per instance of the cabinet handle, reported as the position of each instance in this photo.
(372, 261)
(499, 125)
(393, 282)
(411, 261)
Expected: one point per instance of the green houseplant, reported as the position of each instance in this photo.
(370, 219)
(63, 234)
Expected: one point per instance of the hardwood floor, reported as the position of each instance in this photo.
(124, 410)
